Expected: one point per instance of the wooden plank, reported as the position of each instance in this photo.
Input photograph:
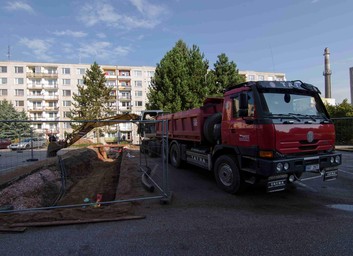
(72, 222)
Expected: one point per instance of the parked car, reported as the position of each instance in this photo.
(4, 143)
(28, 143)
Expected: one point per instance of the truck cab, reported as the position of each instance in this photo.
(279, 130)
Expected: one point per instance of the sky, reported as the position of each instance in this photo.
(287, 36)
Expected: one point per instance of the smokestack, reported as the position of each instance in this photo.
(327, 73)
(351, 83)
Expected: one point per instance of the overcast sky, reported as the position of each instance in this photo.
(286, 36)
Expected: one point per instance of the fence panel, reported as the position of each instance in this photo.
(344, 130)
(85, 176)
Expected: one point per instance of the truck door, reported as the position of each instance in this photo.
(240, 128)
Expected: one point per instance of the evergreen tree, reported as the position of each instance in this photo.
(93, 98)
(223, 75)
(12, 129)
(179, 81)
(343, 109)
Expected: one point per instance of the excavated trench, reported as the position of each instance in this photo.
(78, 177)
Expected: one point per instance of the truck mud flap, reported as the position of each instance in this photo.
(276, 183)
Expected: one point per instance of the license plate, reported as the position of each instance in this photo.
(312, 167)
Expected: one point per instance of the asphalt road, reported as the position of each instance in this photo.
(311, 219)
(10, 159)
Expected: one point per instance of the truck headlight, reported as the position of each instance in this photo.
(338, 159)
(286, 166)
(332, 159)
(279, 167)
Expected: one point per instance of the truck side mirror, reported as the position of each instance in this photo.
(243, 105)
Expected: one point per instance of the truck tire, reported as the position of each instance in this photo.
(208, 127)
(227, 174)
(174, 155)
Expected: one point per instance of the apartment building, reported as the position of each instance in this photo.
(45, 90)
(262, 76)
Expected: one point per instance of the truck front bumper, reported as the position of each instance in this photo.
(279, 171)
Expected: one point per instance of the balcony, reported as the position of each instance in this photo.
(50, 87)
(41, 75)
(31, 86)
(35, 96)
(35, 118)
(35, 109)
(125, 98)
(51, 97)
(124, 77)
(48, 108)
(124, 88)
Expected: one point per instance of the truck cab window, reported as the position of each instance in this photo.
(235, 104)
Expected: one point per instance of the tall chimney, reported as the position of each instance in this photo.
(327, 73)
(351, 83)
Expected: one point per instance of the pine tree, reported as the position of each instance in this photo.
(223, 75)
(93, 97)
(12, 129)
(179, 81)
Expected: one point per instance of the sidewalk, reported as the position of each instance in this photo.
(344, 148)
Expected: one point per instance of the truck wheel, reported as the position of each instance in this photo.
(227, 174)
(208, 127)
(174, 155)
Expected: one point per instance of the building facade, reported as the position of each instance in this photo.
(44, 91)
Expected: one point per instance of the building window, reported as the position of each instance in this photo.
(80, 71)
(66, 93)
(138, 103)
(19, 103)
(150, 74)
(66, 114)
(52, 114)
(3, 80)
(138, 93)
(19, 81)
(19, 92)
(111, 83)
(3, 69)
(37, 104)
(52, 81)
(251, 78)
(137, 73)
(261, 78)
(3, 92)
(124, 73)
(66, 103)
(138, 83)
(50, 70)
(19, 70)
(80, 81)
(66, 81)
(67, 125)
(110, 73)
(66, 71)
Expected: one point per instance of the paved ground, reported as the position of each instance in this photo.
(314, 218)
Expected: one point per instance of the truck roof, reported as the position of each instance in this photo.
(296, 84)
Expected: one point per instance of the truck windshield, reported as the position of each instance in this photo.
(292, 104)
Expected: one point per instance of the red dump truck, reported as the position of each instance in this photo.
(266, 130)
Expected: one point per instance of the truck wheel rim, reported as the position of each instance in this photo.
(225, 175)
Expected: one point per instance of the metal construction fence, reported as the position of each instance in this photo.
(87, 174)
(344, 130)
